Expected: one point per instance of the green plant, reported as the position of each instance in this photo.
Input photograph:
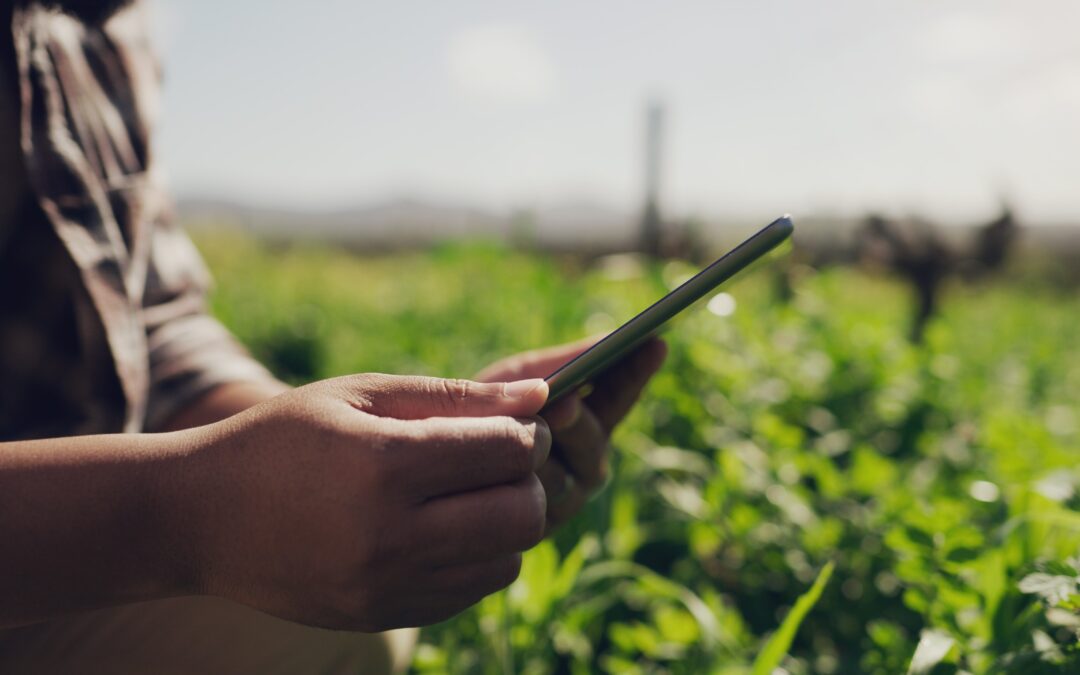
(795, 437)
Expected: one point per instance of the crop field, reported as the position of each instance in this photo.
(800, 488)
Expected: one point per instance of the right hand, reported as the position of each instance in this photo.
(368, 502)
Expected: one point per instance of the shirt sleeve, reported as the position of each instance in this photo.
(190, 352)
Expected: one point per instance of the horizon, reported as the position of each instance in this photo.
(205, 202)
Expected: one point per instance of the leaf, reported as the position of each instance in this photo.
(667, 458)
(572, 564)
(624, 536)
(780, 642)
(657, 586)
(676, 625)
(532, 593)
(932, 648)
(684, 497)
(1054, 588)
(1045, 646)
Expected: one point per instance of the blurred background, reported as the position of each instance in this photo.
(361, 119)
(889, 409)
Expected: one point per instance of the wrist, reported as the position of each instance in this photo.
(181, 494)
(93, 521)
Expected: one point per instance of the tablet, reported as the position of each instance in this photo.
(607, 352)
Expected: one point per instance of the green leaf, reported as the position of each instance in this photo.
(658, 587)
(532, 593)
(933, 646)
(572, 564)
(625, 534)
(676, 625)
(777, 646)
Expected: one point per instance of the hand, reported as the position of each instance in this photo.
(368, 502)
(578, 464)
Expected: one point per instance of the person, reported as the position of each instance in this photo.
(167, 505)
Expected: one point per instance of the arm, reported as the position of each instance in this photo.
(223, 401)
(84, 524)
(199, 373)
(423, 490)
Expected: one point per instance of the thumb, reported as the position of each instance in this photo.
(411, 398)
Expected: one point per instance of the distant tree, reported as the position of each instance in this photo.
(652, 223)
(915, 250)
(993, 243)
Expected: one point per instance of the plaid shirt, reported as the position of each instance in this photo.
(103, 326)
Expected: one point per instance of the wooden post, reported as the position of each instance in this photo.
(651, 221)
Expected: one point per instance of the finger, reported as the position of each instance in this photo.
(563, 412)
(556, 480)
(583, 448)
(615, 391)
(483, 524)
(536, 363)
(446, 455)
(412, 397)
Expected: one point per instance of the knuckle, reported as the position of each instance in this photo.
(454, 390)
(359, 390)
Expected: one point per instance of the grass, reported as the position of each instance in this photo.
(799, 433)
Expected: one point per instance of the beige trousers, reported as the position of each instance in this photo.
(195, 635)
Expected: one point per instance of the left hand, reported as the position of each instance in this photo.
(578, 464)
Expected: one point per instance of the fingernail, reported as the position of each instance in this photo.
(522, 388)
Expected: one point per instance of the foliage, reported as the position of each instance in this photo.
(790, 436)
(779, 644)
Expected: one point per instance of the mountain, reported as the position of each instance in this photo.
(407, 221)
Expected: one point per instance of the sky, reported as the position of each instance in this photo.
(837, 106)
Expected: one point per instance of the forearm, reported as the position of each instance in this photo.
(91, 521)
(224, 401)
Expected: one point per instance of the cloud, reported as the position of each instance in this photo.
(501, 63)
(1001, 64)
(1051, 92)
(979, 37)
